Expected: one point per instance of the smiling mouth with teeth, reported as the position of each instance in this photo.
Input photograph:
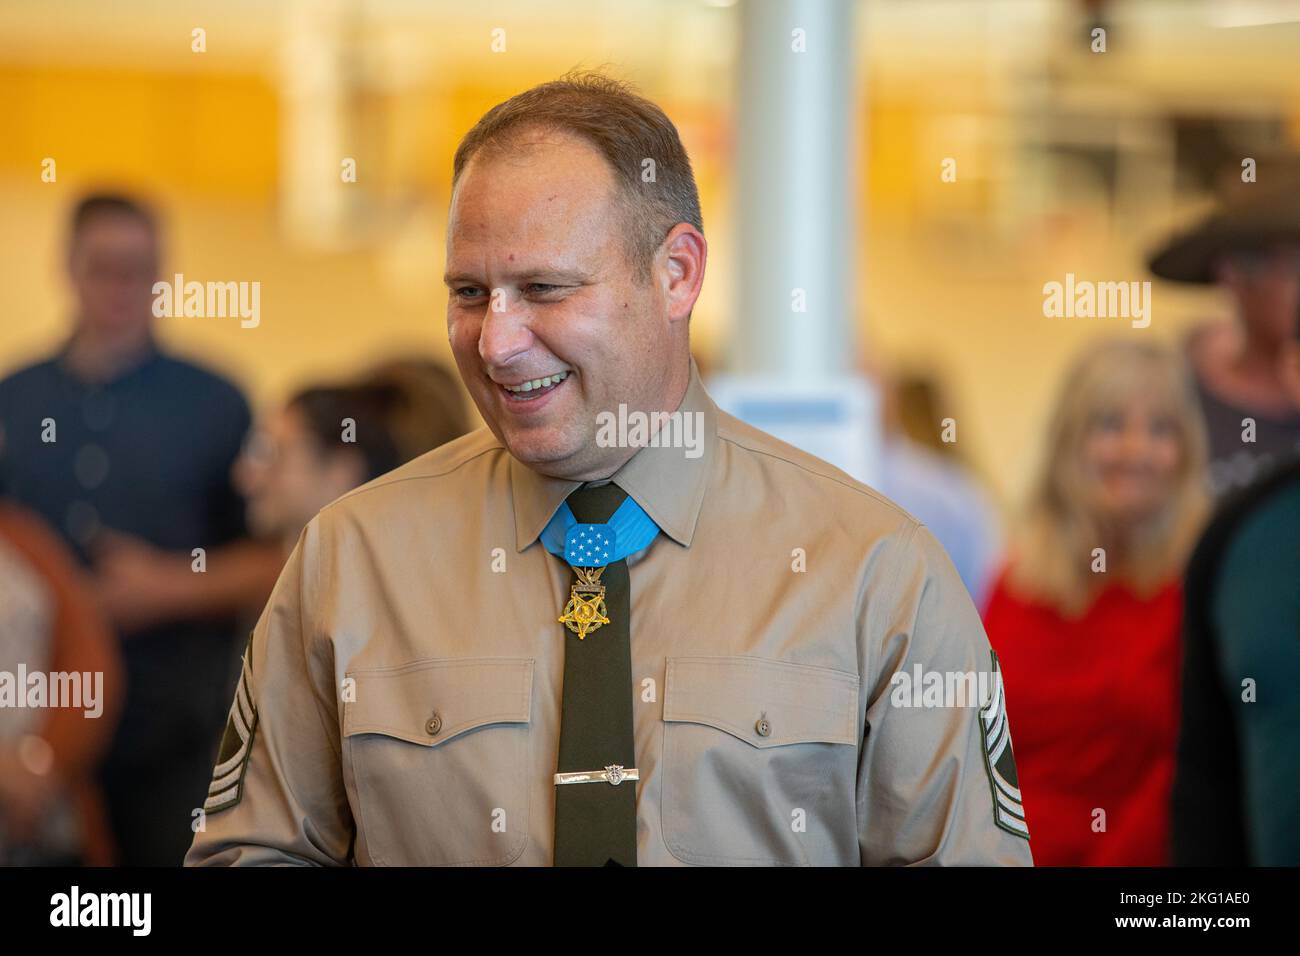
(526, 391)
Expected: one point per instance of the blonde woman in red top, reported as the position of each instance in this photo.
(1085, 616)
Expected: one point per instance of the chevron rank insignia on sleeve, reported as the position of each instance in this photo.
(995, 740)
(227, 786)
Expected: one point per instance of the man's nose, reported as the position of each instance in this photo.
(505, 332)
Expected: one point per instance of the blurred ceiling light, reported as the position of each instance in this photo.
(1252, 13)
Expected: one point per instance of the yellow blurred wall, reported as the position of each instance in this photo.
(946, 278)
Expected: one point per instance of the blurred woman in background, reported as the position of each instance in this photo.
(329, 439)
(326, 441)
(929, 477)
(1085, 616)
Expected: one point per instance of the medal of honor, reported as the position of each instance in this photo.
(588, 549)
(586, 609)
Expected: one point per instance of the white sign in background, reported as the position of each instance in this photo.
(836, 419)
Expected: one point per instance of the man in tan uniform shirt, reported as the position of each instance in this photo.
(401, 696)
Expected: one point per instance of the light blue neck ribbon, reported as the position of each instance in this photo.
(628, 530)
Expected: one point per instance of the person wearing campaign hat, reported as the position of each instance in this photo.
(1247, 370)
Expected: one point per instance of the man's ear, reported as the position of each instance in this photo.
(680, 265)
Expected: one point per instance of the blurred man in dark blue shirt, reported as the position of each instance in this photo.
(127, 452)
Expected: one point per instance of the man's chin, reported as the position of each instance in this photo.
(547, 454)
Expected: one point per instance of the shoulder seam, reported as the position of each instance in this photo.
(898, 568)
(864, 490)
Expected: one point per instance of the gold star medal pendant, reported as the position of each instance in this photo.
(587, 548)
(586, 609)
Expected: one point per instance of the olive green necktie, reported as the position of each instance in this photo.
(595, 823)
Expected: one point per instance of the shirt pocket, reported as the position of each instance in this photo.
(439, 755)
(759, 759)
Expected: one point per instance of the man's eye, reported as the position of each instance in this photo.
(468, 292)
(542, 288)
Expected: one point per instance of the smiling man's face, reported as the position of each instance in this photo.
(548, 321)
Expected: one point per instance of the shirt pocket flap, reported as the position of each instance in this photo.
(764, 703)
(432, 702)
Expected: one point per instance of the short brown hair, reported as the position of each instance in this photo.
(94, 205)
(626, 128)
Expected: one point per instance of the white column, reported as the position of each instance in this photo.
(795, 195)
(313, 121)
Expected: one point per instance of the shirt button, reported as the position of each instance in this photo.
(433, 725)
(763, 728)
(91, 466)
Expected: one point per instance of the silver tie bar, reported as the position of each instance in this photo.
(614, 774)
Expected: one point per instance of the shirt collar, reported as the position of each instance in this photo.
(148, 354)
(667, 484)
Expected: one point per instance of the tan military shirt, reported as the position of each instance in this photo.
(400, 702)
